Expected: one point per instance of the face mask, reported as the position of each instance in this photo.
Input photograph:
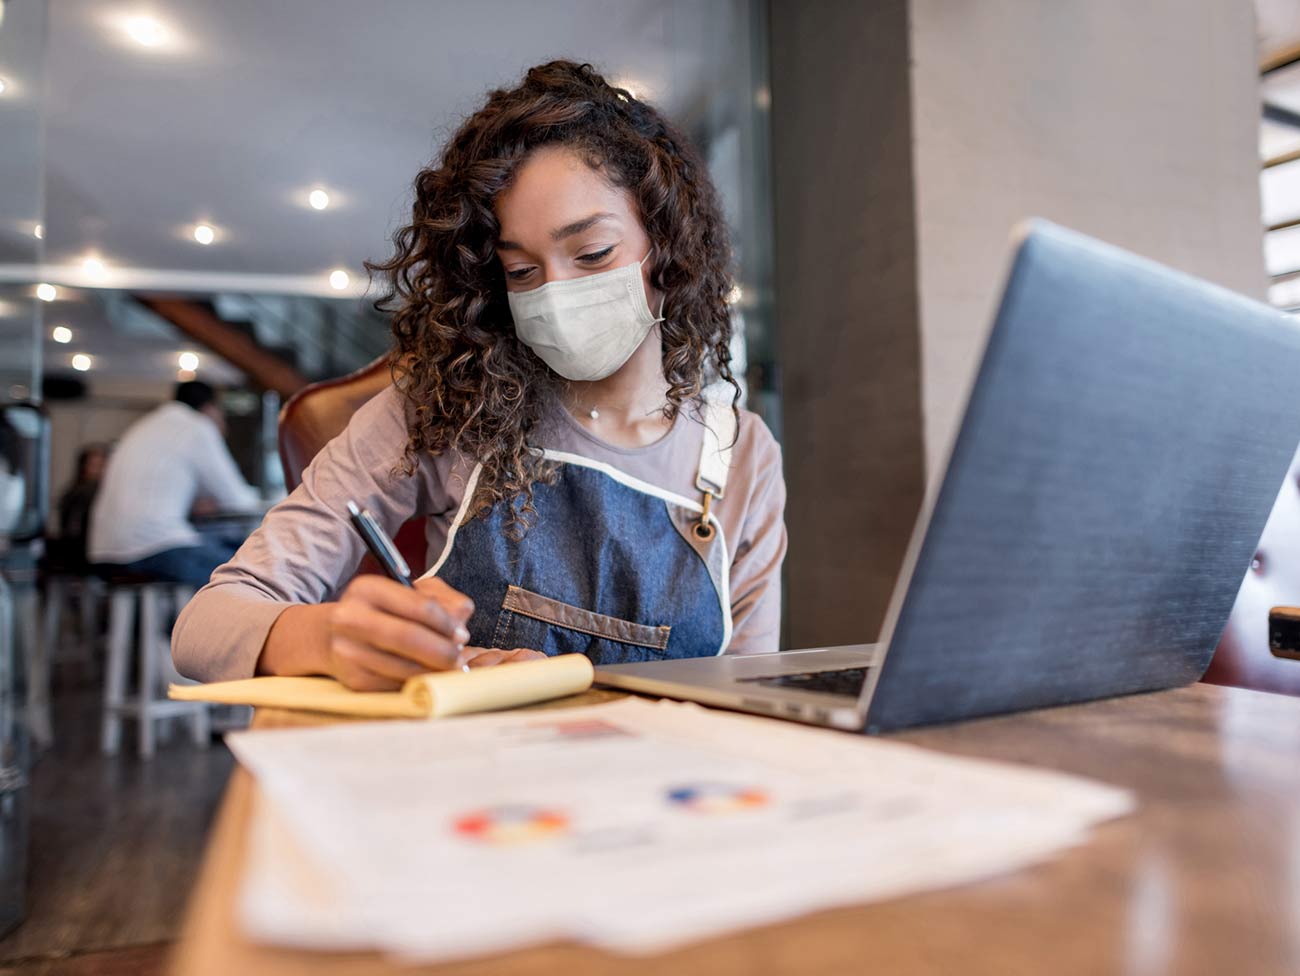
(585, 328)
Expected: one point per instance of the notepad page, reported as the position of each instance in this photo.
(434, 695)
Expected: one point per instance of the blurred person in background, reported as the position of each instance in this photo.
(69, 549)
(167, 462)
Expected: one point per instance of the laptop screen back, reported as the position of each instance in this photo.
(1122, 446)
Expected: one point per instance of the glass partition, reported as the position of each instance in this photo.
(24, 430)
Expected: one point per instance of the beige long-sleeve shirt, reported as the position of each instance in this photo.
(306, 550)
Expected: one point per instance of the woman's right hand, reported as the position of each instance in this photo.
(381, 633)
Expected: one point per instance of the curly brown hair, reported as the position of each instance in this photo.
(471, 386)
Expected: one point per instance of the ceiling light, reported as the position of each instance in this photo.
(46, 293)
(318, 199)
(81, 362)
(145, 31)
(38, 232)
(3, 85)
(62, 334)
(735, 295)
(339, 279)
(94, 267)
(204, 234)
(188, 362)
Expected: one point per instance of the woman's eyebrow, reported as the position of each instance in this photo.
(578, 226)
(568, 230)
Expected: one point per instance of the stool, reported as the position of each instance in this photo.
(62, 591)
(131, 597)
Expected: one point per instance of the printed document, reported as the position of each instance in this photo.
(632, 825)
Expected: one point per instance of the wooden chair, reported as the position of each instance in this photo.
(319, 412)
(1243, 658)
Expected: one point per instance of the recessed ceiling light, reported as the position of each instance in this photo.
(46, 292)
(38, 232)
(204, 234)
(188, 362)
(145, 31)
(339, 279)
(3, 85)
(61, 334)
(150, 35)
(81, 362)
(318, 199)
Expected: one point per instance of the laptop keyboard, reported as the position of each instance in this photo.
(847, 681)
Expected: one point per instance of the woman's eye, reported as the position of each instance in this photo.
(596, 256)
(519, 274)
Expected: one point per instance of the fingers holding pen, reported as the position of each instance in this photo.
(382, 631)
(431, 603)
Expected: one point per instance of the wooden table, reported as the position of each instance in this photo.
(1205, 878)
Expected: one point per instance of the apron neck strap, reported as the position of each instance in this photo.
(715, 452)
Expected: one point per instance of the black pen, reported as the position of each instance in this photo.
(381, 547)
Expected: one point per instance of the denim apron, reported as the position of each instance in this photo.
(610, 566)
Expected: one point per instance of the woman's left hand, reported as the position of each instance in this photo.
(486, 657)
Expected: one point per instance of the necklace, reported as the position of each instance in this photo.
(594, 414)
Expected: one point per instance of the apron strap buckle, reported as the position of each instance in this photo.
(704, 530)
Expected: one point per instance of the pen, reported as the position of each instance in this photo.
(381, 547)
(385, 552)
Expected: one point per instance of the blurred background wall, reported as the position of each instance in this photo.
(1135, 123)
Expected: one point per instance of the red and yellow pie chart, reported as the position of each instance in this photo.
(511, 824)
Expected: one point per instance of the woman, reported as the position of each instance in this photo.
(69, 550)
(559, 305)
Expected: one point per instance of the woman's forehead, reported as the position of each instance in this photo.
(554, 189)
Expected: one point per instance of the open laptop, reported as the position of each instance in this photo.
(1121, 448)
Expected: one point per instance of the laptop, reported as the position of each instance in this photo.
(1122, 445)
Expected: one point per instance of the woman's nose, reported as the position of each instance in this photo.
(558, 270)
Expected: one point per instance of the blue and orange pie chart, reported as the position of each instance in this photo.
(717, 797)
(511, 824)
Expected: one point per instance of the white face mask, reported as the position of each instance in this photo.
(585, 328)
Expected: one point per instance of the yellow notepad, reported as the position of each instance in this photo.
(433, 695)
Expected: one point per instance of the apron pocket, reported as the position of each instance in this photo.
(646, 642)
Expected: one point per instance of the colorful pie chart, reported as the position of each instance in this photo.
(717, 797)
(512, 824)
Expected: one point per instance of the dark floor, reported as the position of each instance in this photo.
(115, 844)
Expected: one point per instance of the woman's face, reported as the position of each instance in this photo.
(92, 465)
(561, 219)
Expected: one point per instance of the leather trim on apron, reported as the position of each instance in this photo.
(543, 608)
